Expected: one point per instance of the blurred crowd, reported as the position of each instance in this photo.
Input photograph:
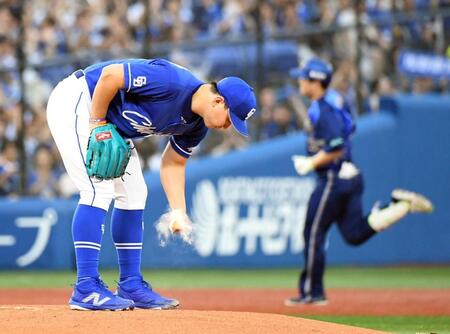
(61, 30)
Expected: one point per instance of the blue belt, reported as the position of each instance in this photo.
(78, 74)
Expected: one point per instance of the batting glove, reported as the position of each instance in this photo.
(303, 165)
(174, 222)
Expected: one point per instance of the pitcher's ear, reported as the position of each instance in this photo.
(219, 99)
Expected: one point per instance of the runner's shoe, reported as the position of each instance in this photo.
(295, 301)
(417, 202)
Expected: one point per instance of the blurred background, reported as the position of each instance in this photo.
(391, 60)
(42, 41)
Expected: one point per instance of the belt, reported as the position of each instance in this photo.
(78, 74)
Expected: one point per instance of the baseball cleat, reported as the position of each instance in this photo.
(417, 202)
(92, 294)
(143, 296)
(295, 301)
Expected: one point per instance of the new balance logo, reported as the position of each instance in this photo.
(95, 297)
(139, 81)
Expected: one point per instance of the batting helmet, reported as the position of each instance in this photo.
(314, 69)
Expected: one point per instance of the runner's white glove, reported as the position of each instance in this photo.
(303, 165)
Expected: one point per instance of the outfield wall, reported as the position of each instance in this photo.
(249, 205)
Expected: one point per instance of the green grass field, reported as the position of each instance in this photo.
(393, 324)
(390, 277)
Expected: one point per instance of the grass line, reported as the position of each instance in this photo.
(393, 324)
(391, 277)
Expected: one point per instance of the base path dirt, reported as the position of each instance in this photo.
(59, 319)
(341, 301)
(377, 302)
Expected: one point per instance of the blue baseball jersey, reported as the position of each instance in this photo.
(156, 100)
(333, 124)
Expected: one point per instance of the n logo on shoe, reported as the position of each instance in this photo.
(95, 297)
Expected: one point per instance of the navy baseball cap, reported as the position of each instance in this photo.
(314, 69)
(240, 100)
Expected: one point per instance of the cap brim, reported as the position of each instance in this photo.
(298, 73)
(238, 124)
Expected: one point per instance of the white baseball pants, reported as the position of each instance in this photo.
(68, 111)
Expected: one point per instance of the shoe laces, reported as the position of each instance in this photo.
(100, 283)
(93, 281)
(146, 284)
(141, 283)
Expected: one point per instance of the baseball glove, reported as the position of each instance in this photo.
(107, 153)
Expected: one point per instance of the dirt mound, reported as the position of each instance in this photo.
(59, 319)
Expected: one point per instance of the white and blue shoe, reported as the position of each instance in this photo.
(92, 294)
(417, 202)
(143, 296)
(294, 301)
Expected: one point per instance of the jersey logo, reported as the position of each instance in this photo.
(139, 122)
(103, 136)
(250, 114)
(139, 81)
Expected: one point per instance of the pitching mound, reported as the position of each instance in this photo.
(59, 319)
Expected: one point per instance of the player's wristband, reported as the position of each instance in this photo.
(97, 121)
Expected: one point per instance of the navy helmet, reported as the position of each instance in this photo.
(314, 69)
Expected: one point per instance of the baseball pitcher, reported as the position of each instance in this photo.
(93, 116)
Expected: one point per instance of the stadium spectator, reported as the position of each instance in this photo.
(43, 180)
(7, 53)
(8, 169)
(57, 29)
(267, 102)
(206, 16)
(282, 122)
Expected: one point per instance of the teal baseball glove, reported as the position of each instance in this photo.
(107, 153)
